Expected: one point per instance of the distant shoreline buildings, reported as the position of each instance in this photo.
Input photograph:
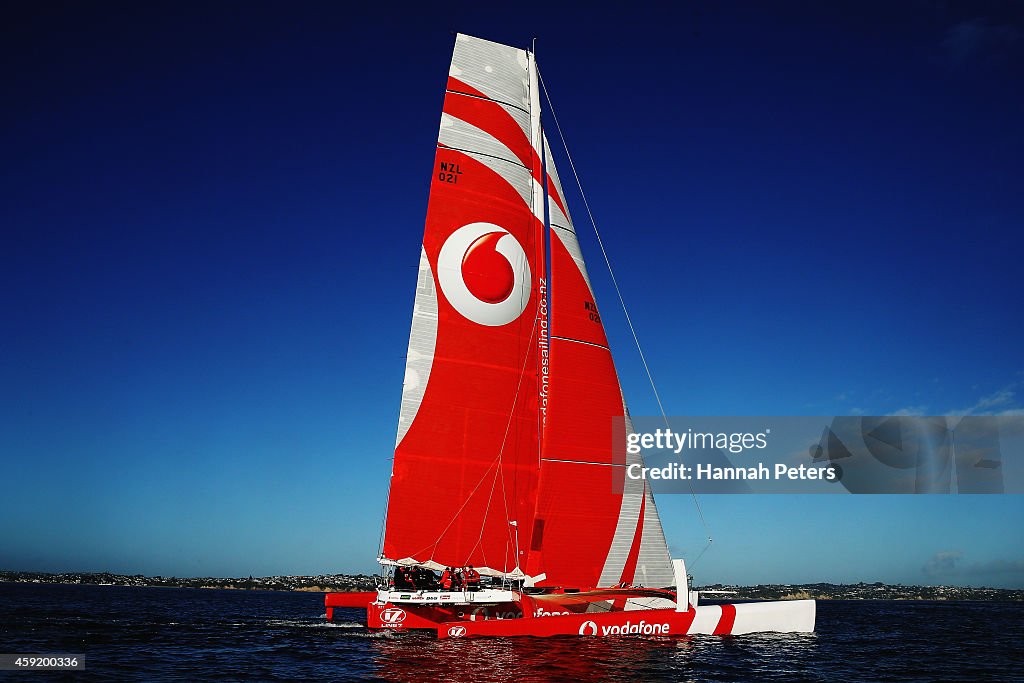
(341, 583)
(320, 583)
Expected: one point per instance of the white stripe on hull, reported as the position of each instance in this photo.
(791, 616)
(706, 620)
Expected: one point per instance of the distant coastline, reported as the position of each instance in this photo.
(343, 583)
(324, 583)
(857, 591)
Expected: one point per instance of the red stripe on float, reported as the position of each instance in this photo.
(726, 621)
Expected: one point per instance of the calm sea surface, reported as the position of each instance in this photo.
(179, 633)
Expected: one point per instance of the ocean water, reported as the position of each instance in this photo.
(150, 634)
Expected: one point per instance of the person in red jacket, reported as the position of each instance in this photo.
(472, 578)
(446, 579)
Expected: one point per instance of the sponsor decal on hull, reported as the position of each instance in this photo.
(589, 628)
(629, 628)
(642, 623)
(392, 617)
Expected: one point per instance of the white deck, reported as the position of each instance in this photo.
(486, 596)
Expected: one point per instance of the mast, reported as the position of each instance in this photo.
(539, 194)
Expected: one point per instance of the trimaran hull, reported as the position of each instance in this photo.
(733, 619)
(598, 612)
(523, 617)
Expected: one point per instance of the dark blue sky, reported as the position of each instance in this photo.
(212, 220)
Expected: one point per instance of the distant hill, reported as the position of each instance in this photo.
(342, 583)
(336, 583)
(855, 591)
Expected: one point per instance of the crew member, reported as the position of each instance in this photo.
(425, 579)
(446, 579)
(402, 579)
(459, 579)
(472, 578)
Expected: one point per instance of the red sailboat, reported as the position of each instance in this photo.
(506, 452)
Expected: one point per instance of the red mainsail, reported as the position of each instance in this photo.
(504, 451)
(463, 484)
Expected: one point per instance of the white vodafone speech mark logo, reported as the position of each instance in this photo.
(484, 274)
(457, 631)
(588, 628)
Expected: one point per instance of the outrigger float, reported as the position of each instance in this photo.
(511, 452)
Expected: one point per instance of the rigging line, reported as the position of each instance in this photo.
(501, 453)
(380, 541)
(458, 512)
(508, 534)
(387, 496)
(511, 414)
(384, 517)
(699, 555)
(483, 524)
(618, 291)
(496, 461)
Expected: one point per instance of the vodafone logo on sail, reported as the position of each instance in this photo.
(484, 273)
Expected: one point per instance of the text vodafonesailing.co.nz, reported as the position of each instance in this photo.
(542, 321)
